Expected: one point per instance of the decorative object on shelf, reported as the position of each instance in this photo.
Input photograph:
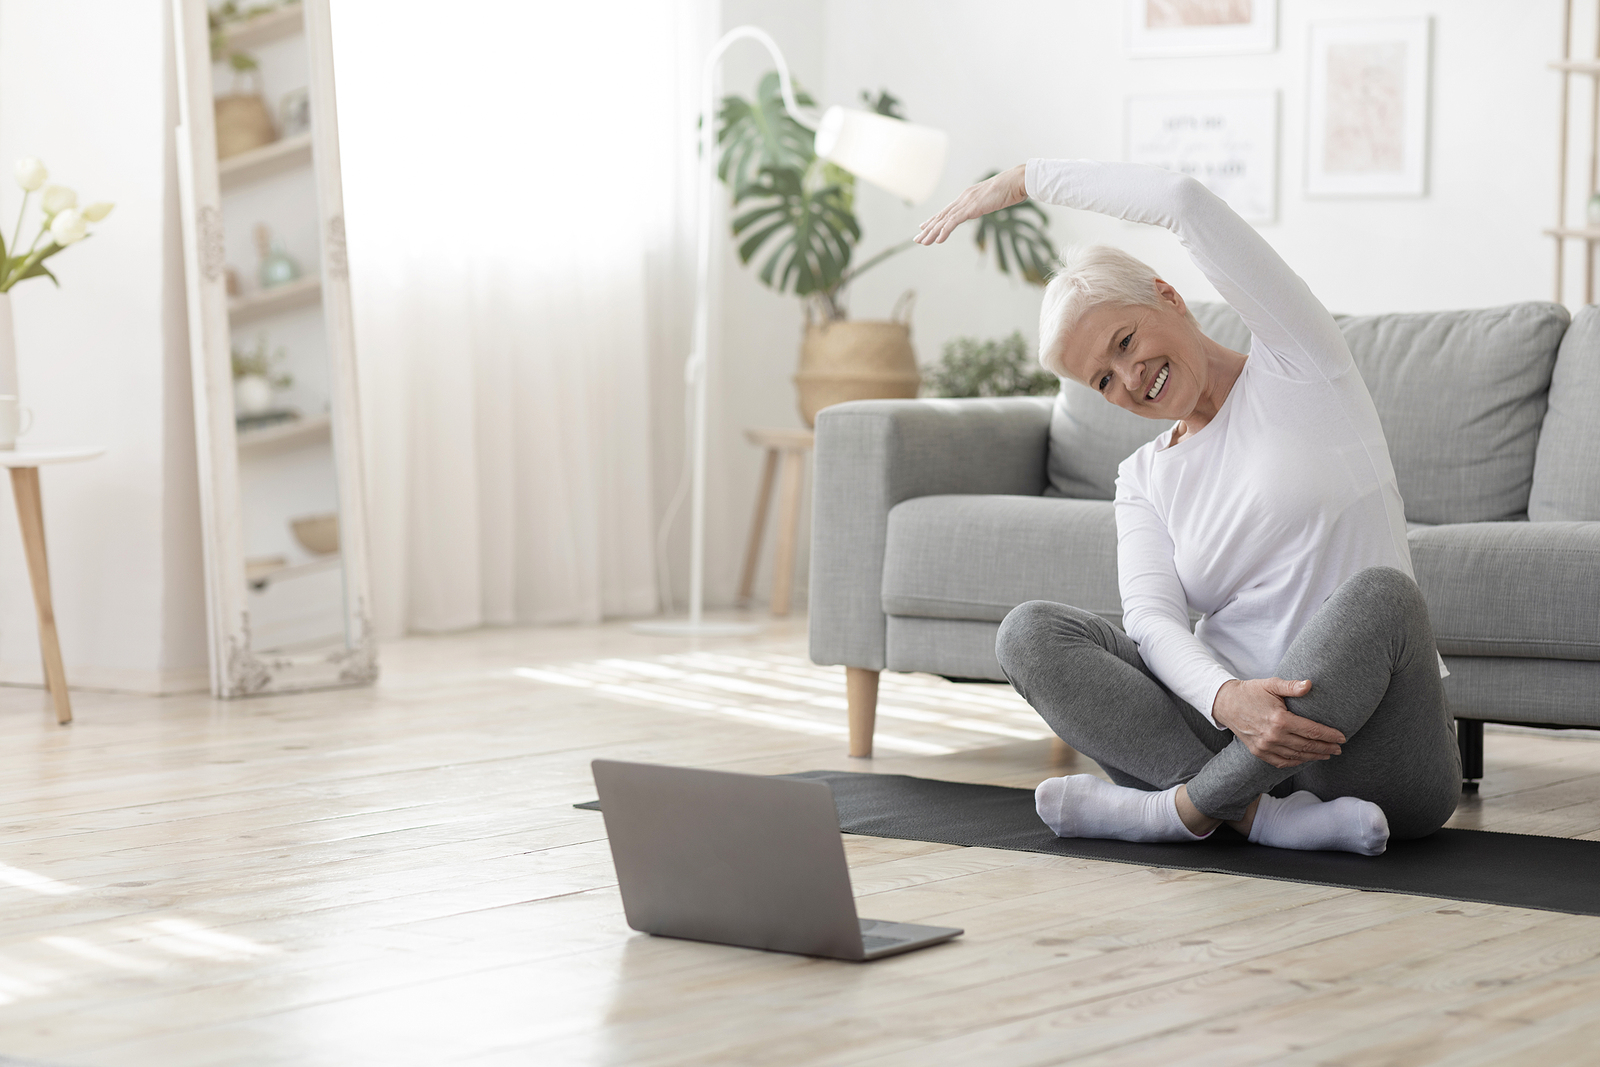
(1592, 210)
(1367, 133)
(243, 119)
(317, 534)
(1201, 27)
(61, 223)
(230, 281)
(294, 112)
(970, 367)
(1227, 141)
(797, 208)
(255, 379)
(277, 266)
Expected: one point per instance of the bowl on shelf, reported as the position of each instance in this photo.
(317, 534)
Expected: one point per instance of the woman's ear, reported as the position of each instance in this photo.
(1170, 296)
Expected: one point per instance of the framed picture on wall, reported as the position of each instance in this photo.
(1229, 142)
(1201, 27)
(1367, 131)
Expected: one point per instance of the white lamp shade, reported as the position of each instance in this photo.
(892, 154)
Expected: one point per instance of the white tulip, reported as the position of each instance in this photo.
(58, 198)
(68, 226)
(98, 210)
(30, 173)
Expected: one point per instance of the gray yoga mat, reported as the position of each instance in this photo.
(1517, 870)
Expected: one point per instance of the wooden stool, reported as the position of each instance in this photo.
(792, 445)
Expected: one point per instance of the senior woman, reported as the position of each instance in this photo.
(1305, 709)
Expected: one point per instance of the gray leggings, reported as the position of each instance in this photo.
(1368, 653)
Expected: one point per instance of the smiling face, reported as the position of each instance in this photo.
(1151, 361)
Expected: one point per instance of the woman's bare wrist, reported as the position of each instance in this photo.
(1019, 183)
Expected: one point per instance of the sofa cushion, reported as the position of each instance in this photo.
(1461, 395)
(1089, 437)
(977, 557)
(1521, 589)
(1566, 469)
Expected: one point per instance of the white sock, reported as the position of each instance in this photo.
(1302, 821)
(1081, 805)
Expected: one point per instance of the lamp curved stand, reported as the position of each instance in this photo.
(695, 369)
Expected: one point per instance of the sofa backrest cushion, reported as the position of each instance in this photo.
(1089, 437)
(1460, 394)
(1566, 469)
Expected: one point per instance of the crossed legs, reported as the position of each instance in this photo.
(1368, 652)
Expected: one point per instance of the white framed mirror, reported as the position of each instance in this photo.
(272, 348)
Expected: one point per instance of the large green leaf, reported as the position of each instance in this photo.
(1019, 237)
(804, 224)
(761, 135)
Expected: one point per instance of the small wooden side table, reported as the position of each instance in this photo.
(791, 446)
(24, 463)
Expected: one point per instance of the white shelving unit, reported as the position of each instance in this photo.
(283, 617)
(303, 292)
(1569, 66)
(270, 440)
(268, 161)
(265, 29)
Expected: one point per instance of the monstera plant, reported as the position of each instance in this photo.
(796, 213)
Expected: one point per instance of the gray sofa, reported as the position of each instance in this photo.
(934, 518)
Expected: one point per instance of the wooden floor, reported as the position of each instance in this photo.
(396, 876)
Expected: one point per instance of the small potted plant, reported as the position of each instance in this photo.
(256, 381)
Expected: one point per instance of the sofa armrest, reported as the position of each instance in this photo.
(1519, 589)
(871, 455)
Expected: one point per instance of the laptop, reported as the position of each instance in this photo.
(740, 859)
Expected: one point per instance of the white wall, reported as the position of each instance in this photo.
(1049, 77)
(87, 87)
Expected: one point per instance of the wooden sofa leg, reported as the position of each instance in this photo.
(1469, 735)
(861, 694)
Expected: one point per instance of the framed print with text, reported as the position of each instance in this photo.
(1227, 141)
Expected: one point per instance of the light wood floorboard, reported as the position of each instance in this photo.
(396, 876)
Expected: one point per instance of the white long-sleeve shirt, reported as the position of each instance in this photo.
(1254, 520)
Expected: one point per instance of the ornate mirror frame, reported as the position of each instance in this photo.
(237, 669)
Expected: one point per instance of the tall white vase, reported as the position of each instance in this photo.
(8, 349)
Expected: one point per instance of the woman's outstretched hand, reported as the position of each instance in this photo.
(1003, 190)
(1254, 710)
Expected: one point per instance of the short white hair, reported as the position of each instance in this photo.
(1087, 277)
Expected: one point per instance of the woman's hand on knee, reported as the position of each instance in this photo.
(1004, 189)
(1254, 710)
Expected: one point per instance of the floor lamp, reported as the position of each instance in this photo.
(898, 156)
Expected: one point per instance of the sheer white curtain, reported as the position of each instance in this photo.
(515, 188)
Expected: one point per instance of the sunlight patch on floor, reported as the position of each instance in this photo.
(925, 715)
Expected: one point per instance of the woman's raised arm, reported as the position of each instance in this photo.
(1276, 305)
